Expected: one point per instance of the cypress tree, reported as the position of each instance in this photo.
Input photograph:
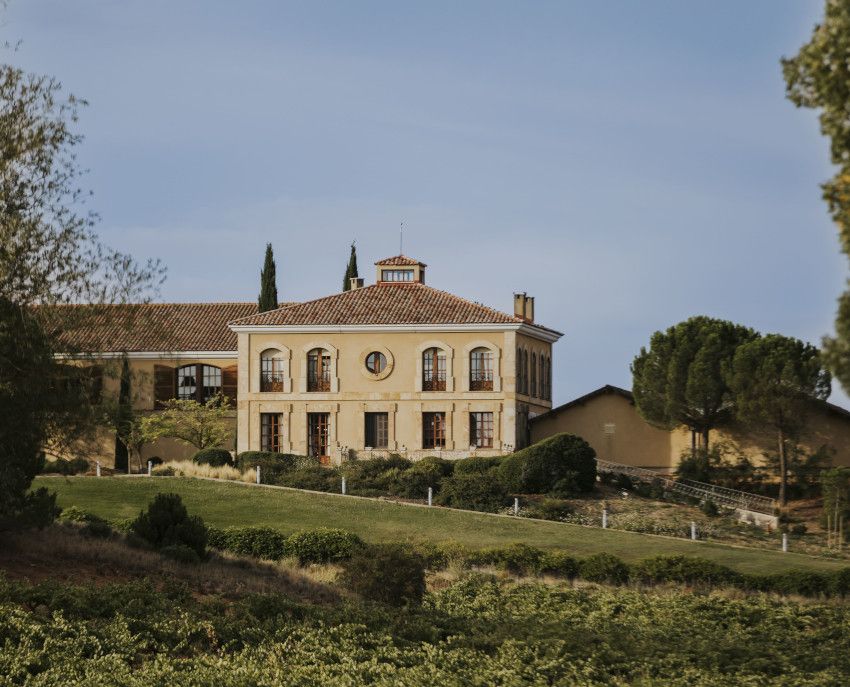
(351, 270)
(268, 282)
(124, 417)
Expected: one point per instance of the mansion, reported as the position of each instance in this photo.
(393, 367)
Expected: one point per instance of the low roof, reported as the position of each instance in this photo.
(395, 303)
(399, 261)
(160, 327)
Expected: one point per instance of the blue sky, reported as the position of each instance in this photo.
(628, 163)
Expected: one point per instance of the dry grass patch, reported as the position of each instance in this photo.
(187, 468)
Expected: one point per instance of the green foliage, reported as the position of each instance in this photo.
(386, 573)
(267, 299)
(168, 523)
(477, 465)
(350, 269)
(835, 484)
(273, 466)
(775, 381)
(323, 545)
(709, 508)
(216, 457)
(202, 425)
(604, 567)
(680, 379)
(559, 564)
(552, 509)
(684, 569)
(471, 491)
(61, 466)
(563, 463)
(180, 553)
(413, 483)
(259, 542)
(313, 478)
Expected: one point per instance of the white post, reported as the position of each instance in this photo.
(430, 496)
(604, 518)
(97, 467)
(150, 468)
(258, 474)
(343, 485)
(516, 505)
(693, 530)
(784, 542)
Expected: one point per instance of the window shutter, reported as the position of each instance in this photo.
(164, 384)
(229, 379)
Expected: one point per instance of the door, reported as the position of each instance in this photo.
(317, 431)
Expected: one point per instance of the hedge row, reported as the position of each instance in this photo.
(333, 545)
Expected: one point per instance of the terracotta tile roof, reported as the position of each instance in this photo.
(400, 260)
(159, 327)
(384, 303)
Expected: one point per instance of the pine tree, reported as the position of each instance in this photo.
(268, 282)
(351, 270)
(124, 418)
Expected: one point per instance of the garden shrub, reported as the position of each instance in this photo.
(477, 465)
(440, 556)
(519, 559)
(604, 567)
(274, 465)
(386, 573)
(559, 563)
(180, 553)
(709, 508)
(563, 462)
(413, 483)
(840, 583)
(92, 525)
(259, 542)
(60, 466)
(684, 569)
(163, 471)
(552, 509)
(323, 545)
(167, 523)
(216, 457)
(74, 514)
(803, 582)
(314, 479)
(374, 475)
(473, 491)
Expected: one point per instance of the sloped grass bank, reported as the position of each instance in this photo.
(223, 504)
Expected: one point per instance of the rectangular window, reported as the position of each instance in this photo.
(271, 432)
(376, 430)
(396, 275)
(433, 430)
(481, 430)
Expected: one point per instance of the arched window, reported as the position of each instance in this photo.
(198, 382)
(434, 370)
(481, 369)
(534, 375)
(520, 377)
(318, 370)
(271, 370)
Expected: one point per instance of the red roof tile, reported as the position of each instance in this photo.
(399, 261)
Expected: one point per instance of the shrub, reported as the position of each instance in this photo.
(387, 574)
(564, 462)
(92, 525)
(324, 545)
(180, 553)
(840, 583)
(414, 482)
(216, 457)
(259, 542)
(684, 569)
(274, 465)
(520, 559)
(60, 466)
(476, 465)
(373, 476)
(74, 514)
(163, 471)
(440, 556)
(315, 479)
(471, 491)
(559, 563)
(803, 582)
(552, 509)
(167, 523)
(604, 567)
(709, 508)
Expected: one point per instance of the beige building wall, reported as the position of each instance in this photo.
(398, 391)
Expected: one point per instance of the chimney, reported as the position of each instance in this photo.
(356, 283)
(524, 306)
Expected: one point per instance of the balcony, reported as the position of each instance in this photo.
(481, 381)
(271, 382)
(319, 383)
(434, 382)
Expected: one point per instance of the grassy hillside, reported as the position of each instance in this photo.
(225, 504)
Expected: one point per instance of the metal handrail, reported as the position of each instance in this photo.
(723, 495)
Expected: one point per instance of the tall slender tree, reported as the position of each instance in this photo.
(268, 282)
(350, 270)
(817, 77)
(123, 417)
(775, 381)
(679, 380)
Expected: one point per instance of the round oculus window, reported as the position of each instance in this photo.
(376, 362)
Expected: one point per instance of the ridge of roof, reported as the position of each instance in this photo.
(400, 260)
(601, 391)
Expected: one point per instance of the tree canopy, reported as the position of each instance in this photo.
(818, 77)
(268, 282)
(680, 379)
(350, 270)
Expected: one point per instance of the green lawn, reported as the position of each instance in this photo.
(223, 504)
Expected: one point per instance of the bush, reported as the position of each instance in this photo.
(60, 466)
(413, 483)
(552, 509)
(216, 457)
(684, 569)
(167, 523)
(315, 479)
(564, 462)
(74, 514)
(473, 491)
(476, 465)
(387, 574)
(604, 567)
(92, 525)
(259, 542)
(324, 545)
(273, 466)
(374, 476)
(519, 559)
(803, 582)
(559, 563)
(180, 553)
(709, 508)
